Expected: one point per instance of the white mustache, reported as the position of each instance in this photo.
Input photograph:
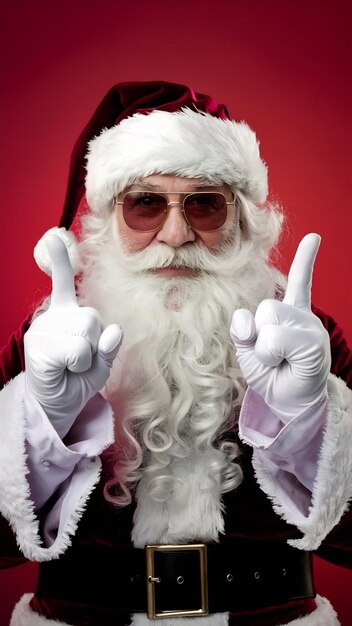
(189, 255)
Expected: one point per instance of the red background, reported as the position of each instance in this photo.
(281, 65)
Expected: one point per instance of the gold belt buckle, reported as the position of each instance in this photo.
(153, 579)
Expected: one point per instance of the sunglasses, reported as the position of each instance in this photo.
(147, 211)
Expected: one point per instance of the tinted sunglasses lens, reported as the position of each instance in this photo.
(144, 211)
(206, 211)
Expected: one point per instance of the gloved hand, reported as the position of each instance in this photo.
(284, 351)
(68, 355)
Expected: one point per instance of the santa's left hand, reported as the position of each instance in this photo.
(284, 351)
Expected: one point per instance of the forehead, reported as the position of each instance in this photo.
(168, 182)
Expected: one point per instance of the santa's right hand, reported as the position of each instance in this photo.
(68, 355)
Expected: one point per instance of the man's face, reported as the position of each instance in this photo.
(175, 230)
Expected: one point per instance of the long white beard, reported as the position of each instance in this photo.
(175, 387)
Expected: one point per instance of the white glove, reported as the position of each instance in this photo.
(284, 351)
(68, 356)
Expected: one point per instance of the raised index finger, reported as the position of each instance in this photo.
(300, 275)
(63, 291)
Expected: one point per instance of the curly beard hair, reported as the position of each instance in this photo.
(175, 387)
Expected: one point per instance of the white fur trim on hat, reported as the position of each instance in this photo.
(185, 143)
(41, 253)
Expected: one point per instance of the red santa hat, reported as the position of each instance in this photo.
(143, 128)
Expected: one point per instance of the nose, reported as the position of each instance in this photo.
(175, 231)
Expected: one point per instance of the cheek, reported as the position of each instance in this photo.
(226, 234)
(132, 241)
(216, 238)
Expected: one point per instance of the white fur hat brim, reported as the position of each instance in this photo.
(185, 143)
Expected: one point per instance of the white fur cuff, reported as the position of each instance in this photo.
(332, 489)
(16, 504)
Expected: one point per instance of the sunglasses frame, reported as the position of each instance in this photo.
(181, 203)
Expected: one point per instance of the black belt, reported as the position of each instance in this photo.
(179, 580)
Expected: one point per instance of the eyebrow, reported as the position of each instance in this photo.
(151, 187)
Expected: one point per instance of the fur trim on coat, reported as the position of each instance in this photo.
(15, 498)
(328, 503)
(324, 615)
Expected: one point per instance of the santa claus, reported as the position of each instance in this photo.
(178, 442)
